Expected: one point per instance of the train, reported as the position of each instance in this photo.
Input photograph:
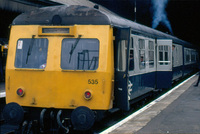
(69, 64)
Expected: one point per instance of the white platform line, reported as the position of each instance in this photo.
(110, 129)
(2, 94)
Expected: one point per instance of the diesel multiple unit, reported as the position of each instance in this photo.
(69, 64)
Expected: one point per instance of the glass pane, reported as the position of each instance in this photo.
(132, 42)
(151, 45)
(131, 63)
(142, 59)
(151, 54)
(122, 52)
(141, 44)
(166, 48)
(161, 48)
(80, 54)
(161, 57)
(31, 53)
(166, 58)
(131, 57)
(151, 59)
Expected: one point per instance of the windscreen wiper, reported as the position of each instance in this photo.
(30, 48)
(73, 47)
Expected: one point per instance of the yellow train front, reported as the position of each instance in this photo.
(54, 67)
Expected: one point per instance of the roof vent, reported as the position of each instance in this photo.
(56, 20)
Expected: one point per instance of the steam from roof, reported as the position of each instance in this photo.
(160, 15)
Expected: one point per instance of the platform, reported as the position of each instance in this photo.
(177, 112)
(2, 89)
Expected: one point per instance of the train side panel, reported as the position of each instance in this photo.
(164, 64)
(177, 59)
(190, 60)
(142, 72)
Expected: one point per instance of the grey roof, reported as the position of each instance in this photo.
(78, 14)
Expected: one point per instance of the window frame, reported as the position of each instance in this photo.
(131, 59)
(165, 55)
(151, 49)
(75, 40)
(141, 48)
(122, 54)
(20, 46)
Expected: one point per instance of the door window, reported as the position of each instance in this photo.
(164, 55)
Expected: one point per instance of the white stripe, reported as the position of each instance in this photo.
(110, 129)
(2, 94)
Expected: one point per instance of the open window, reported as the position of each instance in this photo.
(131, 55)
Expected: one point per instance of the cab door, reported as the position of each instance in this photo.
(164, 63)
(121, 68)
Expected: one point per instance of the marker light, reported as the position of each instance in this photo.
(20, 92)
(87, 95)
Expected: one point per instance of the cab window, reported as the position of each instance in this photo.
(31, 53)
(80, 54)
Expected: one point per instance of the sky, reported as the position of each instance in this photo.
(182, 15)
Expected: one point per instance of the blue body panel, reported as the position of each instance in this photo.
(189, 68)
(177, 72)
(142, 84)
(164, 79)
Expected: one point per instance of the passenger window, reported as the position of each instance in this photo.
(142, 63)
(164, 55)
(80, 54)
(151, 54)
(31, 53)
(193, 57)
(131, 57)
(187, 55)
(122, 51)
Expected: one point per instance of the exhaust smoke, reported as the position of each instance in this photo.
(160, 15)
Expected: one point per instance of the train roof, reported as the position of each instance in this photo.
(83, 15)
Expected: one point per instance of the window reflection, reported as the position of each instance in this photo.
(80, 54)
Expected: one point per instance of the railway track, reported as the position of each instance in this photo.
(112, 117)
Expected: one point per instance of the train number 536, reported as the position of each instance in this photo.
(92, 81)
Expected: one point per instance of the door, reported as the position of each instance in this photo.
(121, 68)
(164, 63)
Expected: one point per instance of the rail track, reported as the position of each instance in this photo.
(113, 117)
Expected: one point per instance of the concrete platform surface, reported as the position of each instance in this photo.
(179, 113)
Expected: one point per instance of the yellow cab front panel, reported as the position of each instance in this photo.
(60, 66)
